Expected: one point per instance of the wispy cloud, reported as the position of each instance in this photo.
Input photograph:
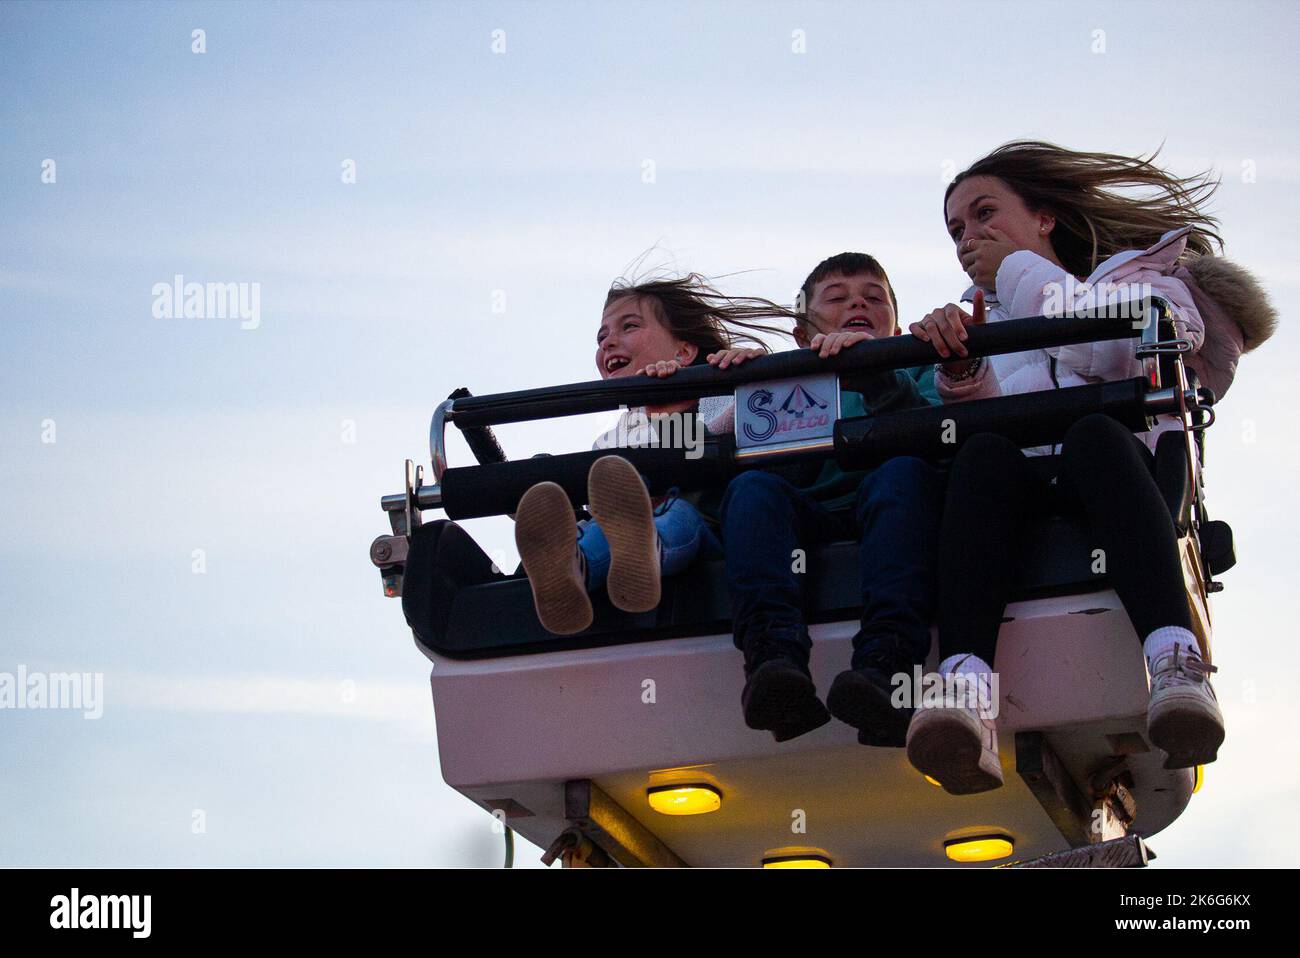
(373, 700)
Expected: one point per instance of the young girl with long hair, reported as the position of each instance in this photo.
(651, 327)
(1029, 221)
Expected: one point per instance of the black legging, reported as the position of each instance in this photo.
(993, 491)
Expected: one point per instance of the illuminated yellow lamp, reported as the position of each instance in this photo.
(692, 799)
(934, 781)
(797, 861)
(1199, 780)
(979, 848)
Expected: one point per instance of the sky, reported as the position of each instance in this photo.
(188, 501)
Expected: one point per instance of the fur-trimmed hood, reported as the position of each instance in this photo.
(1238, 293)
(1237, 313)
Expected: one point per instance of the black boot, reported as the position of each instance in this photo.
(862, 696)
(779, 694)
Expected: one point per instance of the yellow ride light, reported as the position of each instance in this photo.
(1199, 780)
(934, 781)
(979, 848)
(694, 799)
(797, 861)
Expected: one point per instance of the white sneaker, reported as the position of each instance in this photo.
(1183, 716)
(956, 746)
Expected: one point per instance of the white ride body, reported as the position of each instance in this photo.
(512, 730)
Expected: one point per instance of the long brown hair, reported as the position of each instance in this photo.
(1093, 221)
(694, 311)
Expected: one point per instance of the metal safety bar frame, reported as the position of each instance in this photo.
(1021, 335)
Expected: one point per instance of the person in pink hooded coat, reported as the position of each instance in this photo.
(1041, 230)
(1027, 284)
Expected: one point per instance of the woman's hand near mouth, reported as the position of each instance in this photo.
(982, 255)
(830, 344)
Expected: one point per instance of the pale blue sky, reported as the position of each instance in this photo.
(478, 172)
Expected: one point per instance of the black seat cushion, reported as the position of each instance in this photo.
(460, 607)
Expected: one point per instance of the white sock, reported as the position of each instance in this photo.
(1164, 640)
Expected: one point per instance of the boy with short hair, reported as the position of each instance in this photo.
(893, 509)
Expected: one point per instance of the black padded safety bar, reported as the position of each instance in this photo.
(897, 352)
(482, 441)
(1029, 419)
(494, 489)
(931, 432)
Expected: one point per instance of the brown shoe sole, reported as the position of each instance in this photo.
(546, 536)
(619, 502)
(943, 744)
(1188, 733)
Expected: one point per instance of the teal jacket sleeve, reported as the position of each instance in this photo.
(923, 376)
(886, 390)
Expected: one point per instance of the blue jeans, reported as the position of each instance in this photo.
(896, 516)
(683, 535)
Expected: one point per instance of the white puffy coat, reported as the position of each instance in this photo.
(1029, 285)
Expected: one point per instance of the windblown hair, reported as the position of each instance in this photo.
(695, 311)
(845, 264)
(1093, 219)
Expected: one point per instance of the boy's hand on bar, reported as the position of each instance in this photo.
(830, 344)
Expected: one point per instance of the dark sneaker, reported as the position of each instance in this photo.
(779, 694)
(862, 696)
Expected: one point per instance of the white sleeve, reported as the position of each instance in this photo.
(1031, 286)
